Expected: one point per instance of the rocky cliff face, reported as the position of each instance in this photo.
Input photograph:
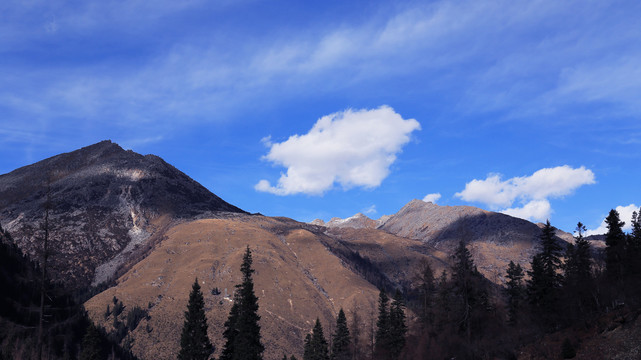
(105, 203)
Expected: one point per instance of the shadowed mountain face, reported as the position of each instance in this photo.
(105, 203)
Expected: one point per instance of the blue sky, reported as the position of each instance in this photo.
(321, 109)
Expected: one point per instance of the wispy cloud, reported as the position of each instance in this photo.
(492, 55)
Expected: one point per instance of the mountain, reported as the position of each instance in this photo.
(106, 203)
(358, 221)
(135, 219)
(300, 274)
(494, 239)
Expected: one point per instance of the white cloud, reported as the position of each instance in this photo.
(370, 210)
(433, 198)
(625, 214)
(351, 148)
(538, 210)
(532, 191)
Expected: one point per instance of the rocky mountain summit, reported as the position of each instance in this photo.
(358, 221)
(105, 204)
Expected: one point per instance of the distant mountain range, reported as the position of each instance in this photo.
(134, 219)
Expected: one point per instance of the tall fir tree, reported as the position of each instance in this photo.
(427, 288)
(515, 290)
(470, 295)
(545, 279)
(316, 347)
(633, 247)
(92, 347)
(307, 347)
(398, 327)
(341, 340)
(614, 246)
(242, 328)
(578, 259)
(578, 282)
(382, 338)
(194, 342)
(551, 255)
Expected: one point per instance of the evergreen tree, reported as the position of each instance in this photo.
(545, 280)
(633, 248)
(443, 301)
(341, 341)
(242, 331)
(614, 246)
(514, 289)
(382, 338)
(398, 328)
(578, 259)
(194, 342)
(92, 347)
(470, 296)
(550, 256)
(426, 288)
(307, 347)
(536, 287)
(316, 344)
(578, 279)
(230, 332)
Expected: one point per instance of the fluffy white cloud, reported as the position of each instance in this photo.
(351, 148)
(531, 191)
(433, 198)
(538, 210)
(625, 214)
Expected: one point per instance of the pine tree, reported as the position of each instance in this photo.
(514, 289)
(443, 297)
(242, 330)
(307, 347)
(382, 345)
(633, 247)
(550, 256)
(341, 341)
(578, 263)
(230, 331)
(194, 342)
(536, 287)
(468, 289)
(398, 328)
(545, 280)
(316, 344)
(614, 246)
(92, 347)
(426, 288)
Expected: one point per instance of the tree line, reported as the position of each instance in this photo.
(462, 315)
(459, 312)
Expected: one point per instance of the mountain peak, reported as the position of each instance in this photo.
(106, 201)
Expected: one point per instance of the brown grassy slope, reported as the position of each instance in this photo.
(297, 279)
